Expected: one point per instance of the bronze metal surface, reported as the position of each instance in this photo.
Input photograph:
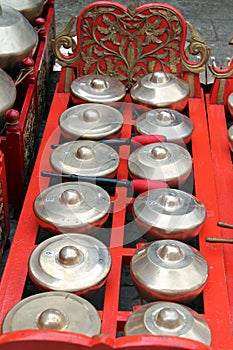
(18, 39)
(161, 89)
(230, 137)
(7, 93)
(90, 121)
(31, 9)
(169, 214)
(230, 103)
(85, 157)
(59, 311)
(175, 126)
(165, 161)
(169, 270)
(168, 319)
(72, 262)
(98, 88)
(72, 207)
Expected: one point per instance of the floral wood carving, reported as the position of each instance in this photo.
(127, 43)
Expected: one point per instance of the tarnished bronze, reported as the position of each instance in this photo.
(168, 319)
(161, 89)
(59, 311)
(176, 127)
(18, 39)
(85, 158)
(165, 161)
(72, 207)
(169, 214)
(72, 262)
(90, 121)
(98, 88)
(169, 270)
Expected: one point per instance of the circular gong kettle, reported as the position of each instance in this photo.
(168, 319)
(72, 207)
(31, 9)
(85, 158)
(93, 121)
(165, 161)
(169, 214)
(18, 39)
(161, 89)
(175, 126)
(72, 262)
(60, 311)
(98, 88)
(169, 270)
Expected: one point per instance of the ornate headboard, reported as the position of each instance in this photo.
(129, 42)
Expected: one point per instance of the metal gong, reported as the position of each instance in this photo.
(168, 319)
(85, 158)
(169, 270)
(175, 126)
(169, 214)
(90, 121)
(7, 94)
(165, 161)
(72, 207)
(31, 9)
(230, 137)
(230, 104)
(98, 88)
(161, 89)
(18, 39)
(73, 263)
(60, 311)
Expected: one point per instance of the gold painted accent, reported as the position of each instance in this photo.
(221, 91)
(217, 72)
(128, 44)
(191, 83)
(197, 46)
(68, 79)
(65, 39)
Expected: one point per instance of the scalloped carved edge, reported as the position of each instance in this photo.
(196, 46)
(65, 39)
(221, 73)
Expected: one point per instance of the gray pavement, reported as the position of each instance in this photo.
(213, 20)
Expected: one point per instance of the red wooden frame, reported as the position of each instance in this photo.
(215, 296)
(4, 211)
(218, 120)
